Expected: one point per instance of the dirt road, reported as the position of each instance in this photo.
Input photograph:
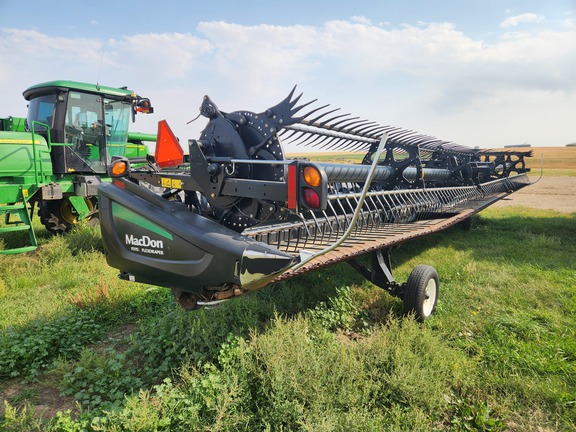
(550, 193)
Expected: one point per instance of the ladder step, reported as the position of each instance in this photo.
(18, 250)
(6, 229)
(19, 210)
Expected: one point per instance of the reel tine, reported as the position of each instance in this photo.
(352, 127)
(364, 129)
(290, 134)
(315, 119)
(315, 110)
(331, 141)
(299, 107)
(334, 126)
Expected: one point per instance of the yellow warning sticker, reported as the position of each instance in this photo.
(171, 183)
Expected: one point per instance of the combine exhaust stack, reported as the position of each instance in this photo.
(239, 215)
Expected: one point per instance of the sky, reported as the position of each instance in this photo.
(484, 73)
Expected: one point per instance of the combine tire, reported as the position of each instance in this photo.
(58, 216)
(421, 293)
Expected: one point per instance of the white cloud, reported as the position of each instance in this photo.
(254, 59)
(430, 77)
(31, 44)
(569, 23)
(164, 55)
(515, 20)
(361, 20)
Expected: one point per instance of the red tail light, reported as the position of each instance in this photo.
(311, 198)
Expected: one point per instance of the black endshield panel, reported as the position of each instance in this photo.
(162, 243)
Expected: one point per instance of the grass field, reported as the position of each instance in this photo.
(82, 350)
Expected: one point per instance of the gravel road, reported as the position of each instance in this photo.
(550, 193)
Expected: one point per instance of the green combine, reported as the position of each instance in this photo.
(59, 154)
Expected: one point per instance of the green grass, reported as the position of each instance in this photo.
(556, 172)
(325, 351)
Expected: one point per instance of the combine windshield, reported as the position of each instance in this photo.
(84, 126)
(96, 128)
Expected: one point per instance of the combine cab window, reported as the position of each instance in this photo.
(117, 115)
(42, 109)
(85, 129)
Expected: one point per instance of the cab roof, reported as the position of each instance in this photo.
(55, 86)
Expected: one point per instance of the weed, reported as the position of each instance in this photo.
(472, 414)
(338, 313)
(28, 351)
(19, 419)
(98, 379)
(91, 298)
(84, 238)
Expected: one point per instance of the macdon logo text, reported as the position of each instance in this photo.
(144, 241)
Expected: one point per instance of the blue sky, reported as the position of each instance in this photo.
(480, 73)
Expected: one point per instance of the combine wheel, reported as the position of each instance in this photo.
(421, 292)
(59, 216)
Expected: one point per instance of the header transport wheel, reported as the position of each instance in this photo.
(421, 292)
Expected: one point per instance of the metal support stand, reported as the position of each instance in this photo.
(380, 272)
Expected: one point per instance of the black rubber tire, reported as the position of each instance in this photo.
(59, 217)
(421, 292)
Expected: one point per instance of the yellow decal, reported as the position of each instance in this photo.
(25, 193)
(17, 141)
(171, 183)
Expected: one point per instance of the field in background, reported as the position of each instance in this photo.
(557, 160)
(82, 350)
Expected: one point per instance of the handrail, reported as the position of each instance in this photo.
(35, 157)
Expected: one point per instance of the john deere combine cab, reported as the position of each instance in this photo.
(57, 157)
(239, 214)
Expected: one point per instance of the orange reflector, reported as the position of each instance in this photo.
(118, 183)
(311, 198)
(119, 168)
(168, 152)
(312, 176)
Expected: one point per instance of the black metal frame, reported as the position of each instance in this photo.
(380, 272)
